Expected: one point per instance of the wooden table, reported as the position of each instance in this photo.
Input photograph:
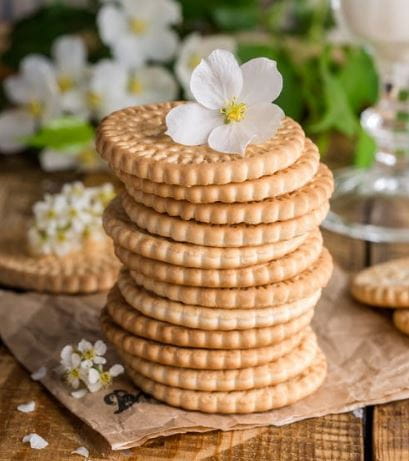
(376, 433)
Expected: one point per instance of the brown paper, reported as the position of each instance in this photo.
(368, 364)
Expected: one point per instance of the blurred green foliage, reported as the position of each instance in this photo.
(326, 86)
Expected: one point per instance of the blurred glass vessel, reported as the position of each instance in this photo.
(373, 204)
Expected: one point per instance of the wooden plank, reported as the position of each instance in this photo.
(334, 437)
(391, 432)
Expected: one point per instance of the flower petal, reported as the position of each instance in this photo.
(156, 85)
(263, 120)
(190, 124)
(116, 370)
(53, 160)
(66, 351)
(81, 451)
(79, 394)
(112, 24)
(69, 53)
(128, 51)
(84, 345)
(259, 124)
(39, 374)
(100, 347)
(93, 376)
(36, 442)
(160, 44)
(216, 80)
(230, 139)
(262, 82)
(27, 407)
(15, 125)
(194, 48)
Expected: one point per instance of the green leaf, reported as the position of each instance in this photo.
(338, 113)
(359, 79)
(365, 150)
(63, 133)
(236, 17)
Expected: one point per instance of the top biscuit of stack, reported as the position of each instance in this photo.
(134, 142)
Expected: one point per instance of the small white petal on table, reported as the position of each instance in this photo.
(262, 82)
(79, 394)
(39, 374)
(191, 124)
(36, 442)
(217, 80)
(82, 451)
(27, 407)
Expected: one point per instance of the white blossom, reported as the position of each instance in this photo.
(92, 354)
(70, 67)
(97, 379)
(233, 107)
(106, 88)
(138, 31)
(150, 84)
(36, 442)
(193, 49)
(62, 222)
(71, 365)
(34, 92)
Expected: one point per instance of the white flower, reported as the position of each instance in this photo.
(96, 379)
(34, 90)
(71, 365)
(63, 222)
(140, 30)
(193, 49)
(70, 67)
(233, 107)
(84, 158)
(150, 84)
(82, 451)
(39, 374)
(107, 88)
(27, 407)
(92, 354)
(36, 442)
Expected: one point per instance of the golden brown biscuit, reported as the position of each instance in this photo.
(133, 140)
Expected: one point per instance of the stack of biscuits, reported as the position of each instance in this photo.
(223, 264)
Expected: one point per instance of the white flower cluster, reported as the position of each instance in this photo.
(64, 221)
(141, 38)
(82, 367)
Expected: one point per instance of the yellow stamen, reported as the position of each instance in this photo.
(193, 61)
(234, 111)
(105, 378)
(137, 26)
(94, 99)
(35, 108)
(65, 83)
(135, 86)
(88, 355)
